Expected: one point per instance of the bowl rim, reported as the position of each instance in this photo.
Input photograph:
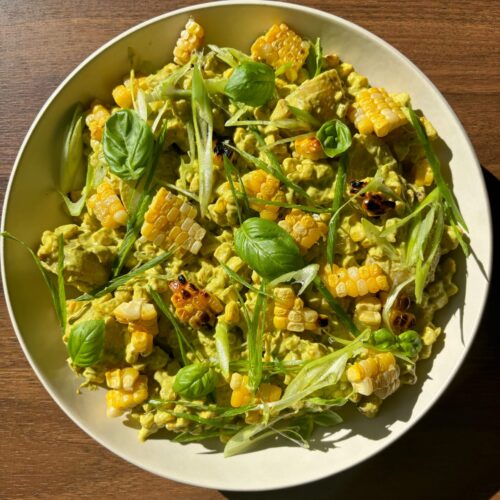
(391, 438)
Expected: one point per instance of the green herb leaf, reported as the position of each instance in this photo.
(383, 339)
(194, 381)
(73, 166)
(410, 343)
(255, 338)
(86, 342)
(223, 348)
(127, 144)
(335, 138)
(338, 196)
(61, 291)
(314, 59)
(304, 116)
(251, 83)
(303, 276)
(267, 248)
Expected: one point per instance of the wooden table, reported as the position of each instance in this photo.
(452, 453)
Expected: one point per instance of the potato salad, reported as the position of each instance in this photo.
(256, 239)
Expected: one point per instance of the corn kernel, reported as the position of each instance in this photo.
(122, 96)
(290, 313)
(305, 229)
(259, 184)
(107, 207)
(190, 39)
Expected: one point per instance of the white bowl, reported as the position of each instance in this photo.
(32, 184)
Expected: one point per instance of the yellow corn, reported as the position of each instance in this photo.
(309, 147)
(290, 313)
(305, 229)
(232, 312)
(107, 207)
(375, 111)
(377, 374)
(169, 222)
(423, 173)
(259, 184)
(367, 312)
(96, 120)
(128, 389)
(356, 281)
(268, 393)
(241, 395)
(122, 96)
(189, 40)
(193, 306)
(280, 46)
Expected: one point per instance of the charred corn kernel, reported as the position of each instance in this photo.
(356, 281)
(122, 96)
(280, 46)
(259, 184)
(189, 40)
(423, 173)
(96, 120)
(305, 229)
(375, 111)
(241, 395)
(378, 374)
(367, 312)
(128, 389)
(232, 313)
(290, 313)
(107, 207)
(169, 222)
(268, 393)
(309, 147)
(195, 307)
(376, 204)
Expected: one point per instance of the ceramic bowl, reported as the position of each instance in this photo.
(33, 183)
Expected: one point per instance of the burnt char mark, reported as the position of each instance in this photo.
(182, 279)
(356, 186)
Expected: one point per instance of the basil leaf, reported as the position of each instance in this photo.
(86, 342)
(251, 83)
(267, 248)
(314, 59)
(73, 166)
(335, 137)
(194, 381)
(127, 144)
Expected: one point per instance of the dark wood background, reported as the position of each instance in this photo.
(453, 452)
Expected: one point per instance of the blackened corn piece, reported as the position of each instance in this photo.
(169, 222)
(195, 307)
(107, 207)
(401, 318)
(280, 46)
(378, 374)
(376, 204)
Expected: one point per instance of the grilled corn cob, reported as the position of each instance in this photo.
(128, 389)
(356, 281)
(169, 222)
(96, 120)
(189, 40)
(141, 318)
(305, 229)
(259, 184)
(310, 148)
(290, 313)
(280, 46)
(375, 111)
(378, 374)
(401, 318)
(195, 307)
(107, 207)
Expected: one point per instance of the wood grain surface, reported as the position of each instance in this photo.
(451, 453)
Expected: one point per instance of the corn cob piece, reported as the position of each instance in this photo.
(195, 307)
(367, 312)
(280, 46)
(96, 120)
(378, 374)
(310, 148)
(423, 173)
(375, 111)
(128, 389)
(169, 222)
(141, 318)
(189, 40)
(400, 317)
(290, 313)
(305, 229)
(259, 184)
(241, 395)
(356, 281)
(107, 207)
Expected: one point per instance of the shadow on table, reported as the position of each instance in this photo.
(453, 451)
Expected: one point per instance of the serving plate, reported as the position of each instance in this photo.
(33, 181)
